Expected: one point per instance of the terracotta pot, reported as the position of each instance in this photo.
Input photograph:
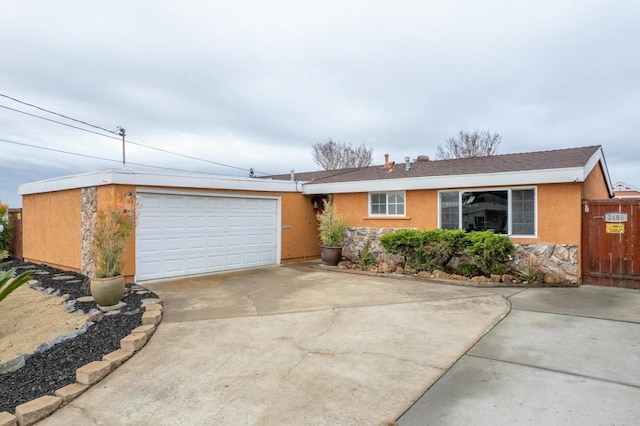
(107, 291)
(330, 255)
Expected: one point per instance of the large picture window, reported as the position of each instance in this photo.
(505, 211)
(386, 203)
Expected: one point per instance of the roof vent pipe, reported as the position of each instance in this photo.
(293, 176)
(407, 163)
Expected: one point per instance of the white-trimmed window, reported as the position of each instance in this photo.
(387, 203)
(505, 211)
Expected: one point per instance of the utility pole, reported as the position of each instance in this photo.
(123, 133)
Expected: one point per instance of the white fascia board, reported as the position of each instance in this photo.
(129, 177)
(66, 182)
(598, 157)
(529, 177)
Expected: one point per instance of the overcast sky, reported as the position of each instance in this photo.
(254, 84)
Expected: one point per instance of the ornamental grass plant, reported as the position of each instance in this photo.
(114, 223)
(331, 226)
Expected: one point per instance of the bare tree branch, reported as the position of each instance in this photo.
(332, 155)
(479, 143)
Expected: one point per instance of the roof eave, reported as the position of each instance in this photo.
(598, 158)
(130, 177)
(528, 177)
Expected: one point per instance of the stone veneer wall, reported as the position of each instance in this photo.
(557, 262)
(88, 212)
(355, 240)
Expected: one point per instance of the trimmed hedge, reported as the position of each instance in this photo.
(434, 249)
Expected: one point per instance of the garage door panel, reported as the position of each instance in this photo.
(195, 203)
(267, 221)
(251, 240)
(267, 257)
(267, 238)
(185, 234)
(196, 264)
(174, 202)
(234, 260)
(196, 243)
(234, 241)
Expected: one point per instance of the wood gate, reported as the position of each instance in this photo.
(611, 243)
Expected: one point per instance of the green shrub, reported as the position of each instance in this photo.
(5, 229)
(440, 245)
(9, 281)
(433, 249)
(490, 252)
(425, 250)
(409, 244)
(366, 258)
(468, 270)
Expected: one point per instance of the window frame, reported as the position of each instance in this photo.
(387, 194)
(509, 190)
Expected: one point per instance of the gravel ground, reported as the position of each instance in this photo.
(54, 368)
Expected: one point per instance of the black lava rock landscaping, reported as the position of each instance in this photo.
(50, 368)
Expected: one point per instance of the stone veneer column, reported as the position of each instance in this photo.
(88, 212)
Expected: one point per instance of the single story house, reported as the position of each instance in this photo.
(191, 224)
(624, 190)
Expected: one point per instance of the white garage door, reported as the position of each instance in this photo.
(190, 234)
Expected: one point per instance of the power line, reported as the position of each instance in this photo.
(58, 114)
(194, 158)
(58, 122)
(114, 133)
(103, 158)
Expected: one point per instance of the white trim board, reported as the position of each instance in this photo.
(130, 177)
(529, 177)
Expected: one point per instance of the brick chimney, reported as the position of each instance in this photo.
(388, 164)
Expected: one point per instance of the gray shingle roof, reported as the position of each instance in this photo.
(542, 160)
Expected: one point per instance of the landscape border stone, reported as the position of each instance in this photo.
(8, 419)
(37, 409)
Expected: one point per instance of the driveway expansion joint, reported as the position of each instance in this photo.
(553, 370)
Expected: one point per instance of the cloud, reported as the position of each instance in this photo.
(253, 84)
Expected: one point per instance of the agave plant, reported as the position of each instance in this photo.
(9, 281)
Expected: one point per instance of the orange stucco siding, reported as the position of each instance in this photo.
(421, 210)
(558, 212)
(626, 194)
(51, 229)
(595, 185)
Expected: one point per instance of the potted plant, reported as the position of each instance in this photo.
(331, 227)
(115, 221)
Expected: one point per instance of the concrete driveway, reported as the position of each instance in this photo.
(563, 356)
(289, 345)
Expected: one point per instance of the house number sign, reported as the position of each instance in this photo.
(615, 217)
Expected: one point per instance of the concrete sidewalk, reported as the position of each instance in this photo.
(289, 345)
(562, 357)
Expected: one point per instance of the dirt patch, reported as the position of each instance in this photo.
(29, 317)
